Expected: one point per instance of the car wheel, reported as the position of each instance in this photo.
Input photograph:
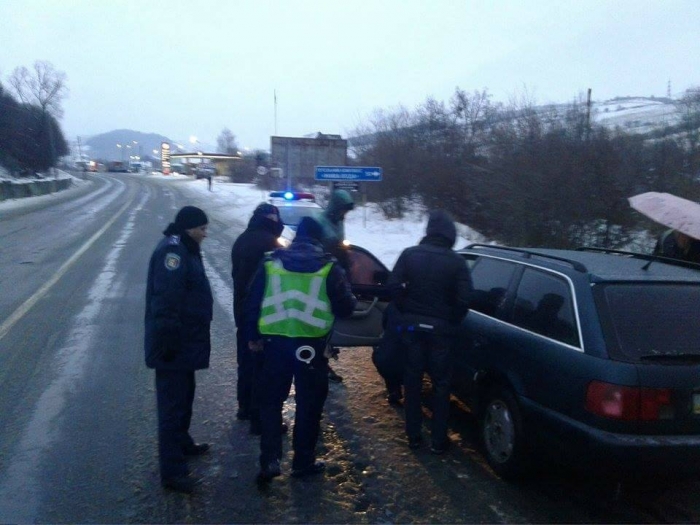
(502, 434)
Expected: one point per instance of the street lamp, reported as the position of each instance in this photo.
(123, 147)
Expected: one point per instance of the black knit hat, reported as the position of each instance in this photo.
(190, 217)
(265, 208)
(309, 228)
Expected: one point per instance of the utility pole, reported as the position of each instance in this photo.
(588, 113)
(275, 95)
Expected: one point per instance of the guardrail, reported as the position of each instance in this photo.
(10, 189)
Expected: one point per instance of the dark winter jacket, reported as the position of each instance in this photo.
(178, 306)
(249, 249)
(667, 246)
(431, 284)
(332, 221)
(305, 255)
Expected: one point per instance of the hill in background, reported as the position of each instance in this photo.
(104, 146)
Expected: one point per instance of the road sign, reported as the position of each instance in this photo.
(350, 185)
(358, 173)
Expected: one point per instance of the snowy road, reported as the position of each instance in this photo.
(77, 407)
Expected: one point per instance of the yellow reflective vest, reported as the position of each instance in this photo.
(295, 304)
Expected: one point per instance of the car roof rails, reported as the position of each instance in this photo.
(644, 256)
(579, 267)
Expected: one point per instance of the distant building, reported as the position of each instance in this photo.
(295, 158)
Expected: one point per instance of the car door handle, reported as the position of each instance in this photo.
(359, 314)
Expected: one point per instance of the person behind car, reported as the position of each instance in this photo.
(179, 307)
(261, 236)
(333, 222)
(293, 301)
(388, 357)
(431, 286)
(678, 245)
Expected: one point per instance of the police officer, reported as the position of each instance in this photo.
(295, 297)
(264, 228)
(431, 287)
(333, 222)
(178, 316)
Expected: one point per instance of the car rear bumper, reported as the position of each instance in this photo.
(579, 443)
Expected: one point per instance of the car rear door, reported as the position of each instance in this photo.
(368, 278)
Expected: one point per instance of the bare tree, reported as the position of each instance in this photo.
(226, 142)
(45, 87)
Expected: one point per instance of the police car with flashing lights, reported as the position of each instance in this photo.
(293, 207)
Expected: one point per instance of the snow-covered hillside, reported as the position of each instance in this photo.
(636, 114)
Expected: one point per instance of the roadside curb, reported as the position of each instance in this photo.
(18, 190)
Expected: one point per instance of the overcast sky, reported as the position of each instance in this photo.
(191, 68)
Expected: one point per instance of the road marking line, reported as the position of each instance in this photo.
(27, 305)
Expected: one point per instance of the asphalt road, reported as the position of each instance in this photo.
(77, 404)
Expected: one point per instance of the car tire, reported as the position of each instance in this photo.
(502, 434)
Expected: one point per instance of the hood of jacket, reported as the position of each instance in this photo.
(260, 222)
(441, 227)
(340, 201)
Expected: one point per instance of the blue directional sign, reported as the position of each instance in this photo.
(358, 173)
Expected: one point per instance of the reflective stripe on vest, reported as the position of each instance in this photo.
(295, 304)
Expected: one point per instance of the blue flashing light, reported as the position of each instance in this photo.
(288, 195)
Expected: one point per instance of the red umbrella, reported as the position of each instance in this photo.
(675, 212)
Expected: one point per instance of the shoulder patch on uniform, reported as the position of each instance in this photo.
(174, 239)
(172, 261)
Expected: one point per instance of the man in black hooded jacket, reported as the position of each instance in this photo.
(260, 237)
(431, 286)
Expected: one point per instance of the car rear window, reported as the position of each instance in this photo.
(653, 319)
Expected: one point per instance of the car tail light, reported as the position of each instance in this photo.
(628, 403)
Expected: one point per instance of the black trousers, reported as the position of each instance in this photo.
(175, 395)
(427, 352)
(279, 369)
(248, 368)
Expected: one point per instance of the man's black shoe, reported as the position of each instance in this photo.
(311, 470)
(332, 376)
(439, 449)
(394, 398)
(243, 414)
(196, 449)
(269, 472)
(415, 442)
(183, 484)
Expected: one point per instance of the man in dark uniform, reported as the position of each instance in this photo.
(295, 297)
(178, 316)
(264, 228)
(431, 286)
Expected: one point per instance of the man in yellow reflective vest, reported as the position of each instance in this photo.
(292, 303)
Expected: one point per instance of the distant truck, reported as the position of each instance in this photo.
(118, 166)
